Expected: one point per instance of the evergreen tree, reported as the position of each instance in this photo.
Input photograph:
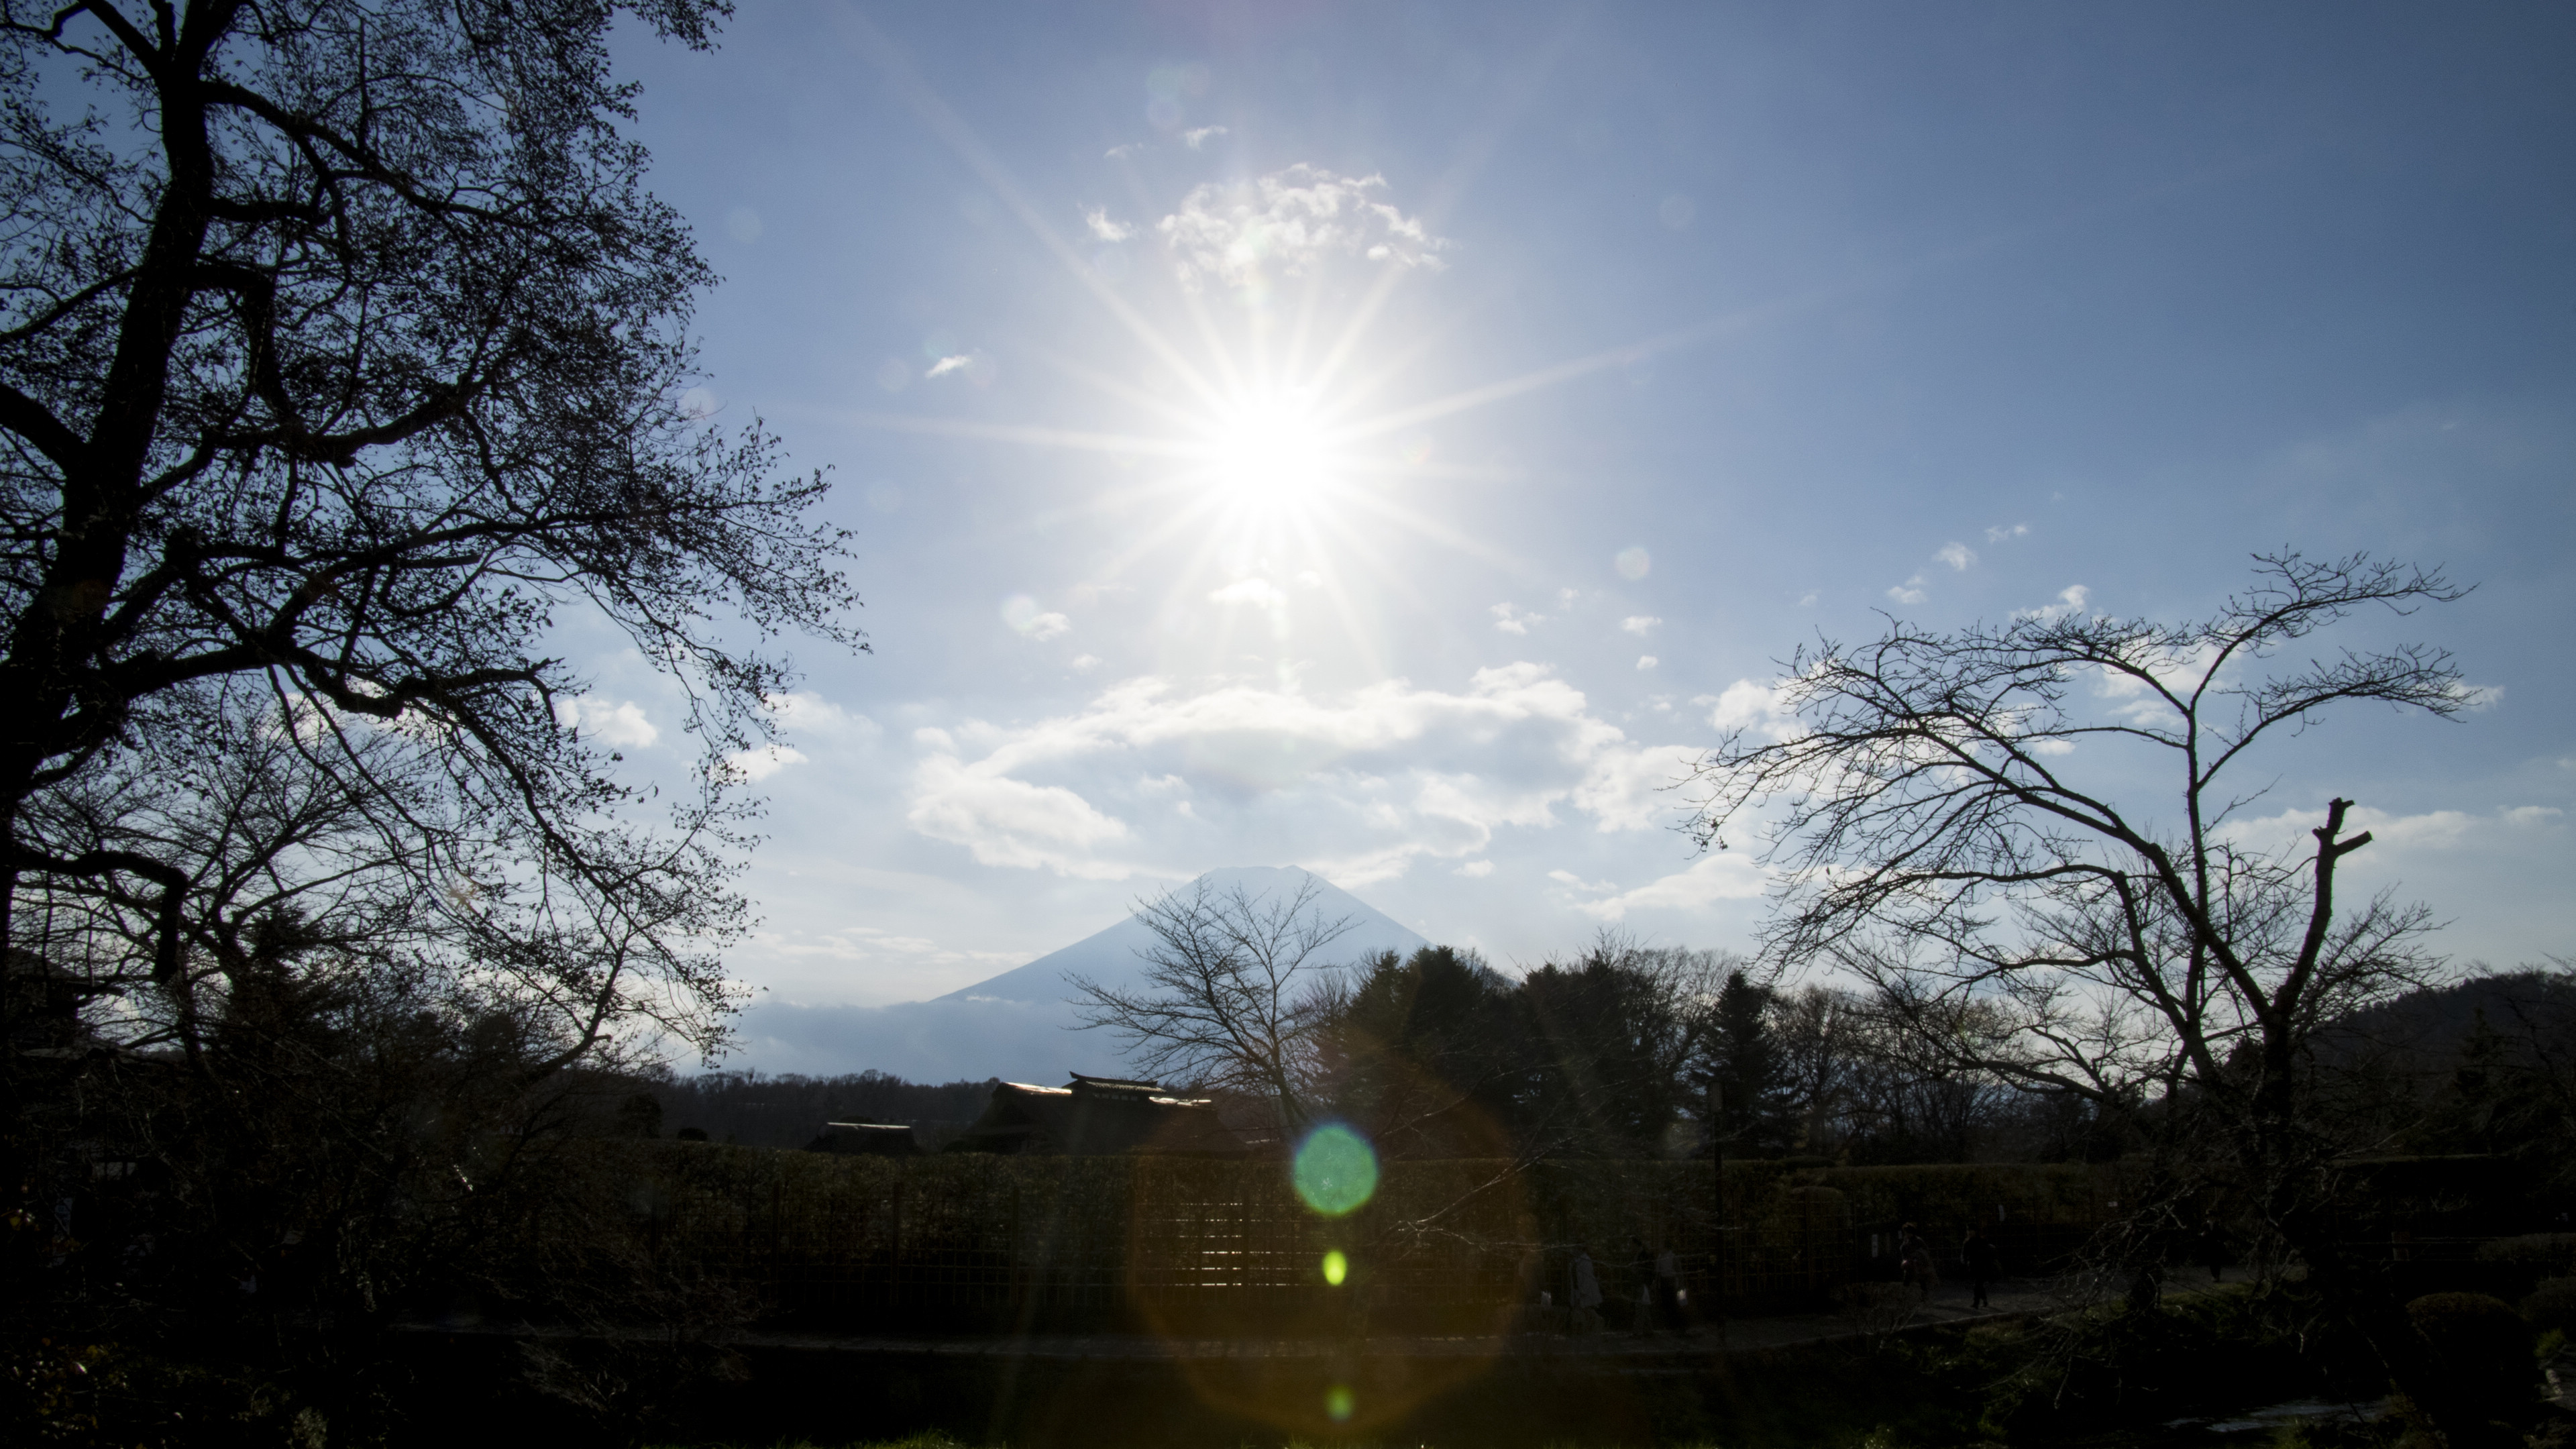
(1746, 1065)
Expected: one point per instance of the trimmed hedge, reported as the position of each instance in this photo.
(1186, 1245)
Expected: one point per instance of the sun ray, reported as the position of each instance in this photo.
(961, 138)
(1066, 438)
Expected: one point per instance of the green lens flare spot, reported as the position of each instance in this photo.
(1336, 1267)
(1339, 1401)
(1335, 1170)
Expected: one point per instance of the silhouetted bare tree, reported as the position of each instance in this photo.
(341, 351)
(343, 354)
(1937, 804)
(1236, 987)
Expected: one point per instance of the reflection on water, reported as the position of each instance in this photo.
(2260, 1423)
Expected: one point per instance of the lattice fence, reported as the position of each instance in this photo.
(1190, 1247)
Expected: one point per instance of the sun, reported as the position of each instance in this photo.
(1270, 450)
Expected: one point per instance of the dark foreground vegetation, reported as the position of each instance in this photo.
(2113, 1376)
(408, 1236)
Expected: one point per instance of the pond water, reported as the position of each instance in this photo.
(2253, 1425)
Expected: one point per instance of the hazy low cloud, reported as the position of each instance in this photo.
(1639, 624)
(1290, 222)
(1199, 136)
(2000, 533)
(1957, 555)
(1103, 228)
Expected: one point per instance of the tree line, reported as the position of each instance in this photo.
(1627, 1050)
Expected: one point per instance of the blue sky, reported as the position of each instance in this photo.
(1377, 438)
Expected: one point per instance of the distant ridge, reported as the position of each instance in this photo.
(1019, 1025)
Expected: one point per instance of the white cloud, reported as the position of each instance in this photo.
(1359, 785)
(2433, 830)
(619, 726)
(1717, 877)
(1103, 228)
(2174, 672)
(1012, 822)
(1639, 624)
(1086, 662)
(761, 763)
(1754, 709)
(1475, 869)
(1049, 626)
(1999, 534)
(1909, 592)
(1199, 136)
(1957, 555)
(1259, 592)
(1290, 222)
(1630, 787)
(1645, 661)
(977, 368)
(2070, 600)
(2478, 696)
(808, 713)
(1512, 619)
(1121, 153)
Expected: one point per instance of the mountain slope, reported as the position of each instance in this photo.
(1114, 957)
(1020, 1025)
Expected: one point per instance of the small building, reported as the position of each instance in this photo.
(866, 1139)
(1099, 1117)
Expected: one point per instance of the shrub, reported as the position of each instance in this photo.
(2479, 1341)
(2542, 1254)
(2552, 1305)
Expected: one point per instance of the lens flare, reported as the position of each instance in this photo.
(1336, 1267)
(1339, 1401)
(1335, 1171)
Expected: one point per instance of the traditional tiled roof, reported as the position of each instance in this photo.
(866, 1139)
(1099, 1117)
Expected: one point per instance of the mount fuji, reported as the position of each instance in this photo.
(1021, 1025)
